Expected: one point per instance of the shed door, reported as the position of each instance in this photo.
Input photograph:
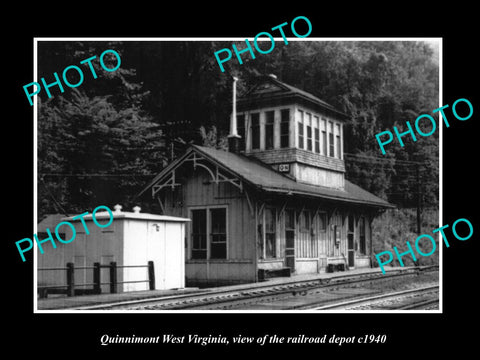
(290, 240)
(173, 252)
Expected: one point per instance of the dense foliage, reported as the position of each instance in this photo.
(101, 142)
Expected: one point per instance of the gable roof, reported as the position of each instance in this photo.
(270, 88)
(263, 177)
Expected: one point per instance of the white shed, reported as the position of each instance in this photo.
(132, 241)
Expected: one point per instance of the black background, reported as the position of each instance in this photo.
(65, 335)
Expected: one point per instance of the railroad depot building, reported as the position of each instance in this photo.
(277, 202)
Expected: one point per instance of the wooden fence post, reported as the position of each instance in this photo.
(70, 279)
(113, 277)
(151, 275)
(96, 278)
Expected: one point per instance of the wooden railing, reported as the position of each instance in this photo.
(71, 288)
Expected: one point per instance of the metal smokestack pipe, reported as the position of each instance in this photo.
(233, 137)
(233, 120)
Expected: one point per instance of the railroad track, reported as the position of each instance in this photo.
(411, 299)
(239, 297)
(427, 304)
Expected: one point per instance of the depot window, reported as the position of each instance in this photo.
(285, 128)
(324, 137)
(331, 140)
(269, 122)
(322, 221)
(241, 130)
(363, 241)
(316, 125)
(300, 131)
(256, 131)
(209, 233)
(309, 132)
(270, 233)
(338, 142)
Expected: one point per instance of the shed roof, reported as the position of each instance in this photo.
(265, 178)
(129, 215)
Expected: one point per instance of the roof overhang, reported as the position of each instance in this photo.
(327, 197)
(221, 172)
(288, 99)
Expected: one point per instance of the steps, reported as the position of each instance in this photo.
(264, 274)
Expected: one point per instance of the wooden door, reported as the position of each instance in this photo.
(290, 240)
(351, 242)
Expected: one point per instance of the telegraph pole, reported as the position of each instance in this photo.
(419, 201)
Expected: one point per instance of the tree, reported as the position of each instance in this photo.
(94, 141)
(165, 95)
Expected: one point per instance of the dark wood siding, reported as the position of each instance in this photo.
(197, 192)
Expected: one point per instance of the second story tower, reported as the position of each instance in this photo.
(295, 132)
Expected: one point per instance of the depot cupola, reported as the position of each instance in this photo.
(292, 130)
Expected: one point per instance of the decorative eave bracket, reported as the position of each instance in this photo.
(217, 174)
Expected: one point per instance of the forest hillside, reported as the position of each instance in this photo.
(101, 142)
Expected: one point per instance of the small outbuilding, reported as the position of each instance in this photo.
(137, 251)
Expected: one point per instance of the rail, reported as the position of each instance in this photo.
(71, 288)
(218, 297)
(385, 296)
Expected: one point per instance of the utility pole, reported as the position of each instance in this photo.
(419, 201)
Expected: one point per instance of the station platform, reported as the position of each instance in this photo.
(63, 302)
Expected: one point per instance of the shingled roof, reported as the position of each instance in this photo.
(263, 177)
(268, 87)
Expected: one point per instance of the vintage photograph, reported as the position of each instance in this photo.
(165, 184)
